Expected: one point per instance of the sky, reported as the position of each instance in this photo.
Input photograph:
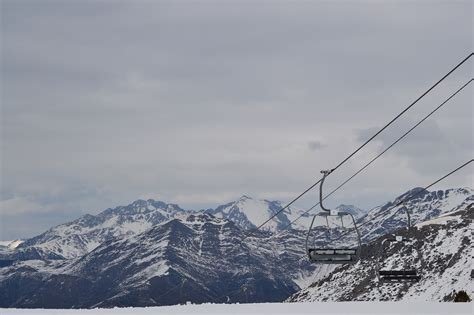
(200, 102)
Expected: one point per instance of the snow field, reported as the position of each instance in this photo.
(269, 308)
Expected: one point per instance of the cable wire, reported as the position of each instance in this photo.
(381, 153)
(363, 145)
(405, 110)
(406, 199)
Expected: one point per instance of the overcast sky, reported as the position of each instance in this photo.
(197, 103)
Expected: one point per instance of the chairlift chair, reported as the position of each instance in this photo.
(391, 274)
(330, 254)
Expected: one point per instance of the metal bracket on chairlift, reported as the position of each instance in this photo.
(398, 238)
(325, 173)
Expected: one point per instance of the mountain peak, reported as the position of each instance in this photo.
(417, 191)
(244, 198)
(201, 218)
(355, 211)
(248, 213)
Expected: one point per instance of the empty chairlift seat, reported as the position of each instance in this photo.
(405, 272)
(333, 255)
(327, 251)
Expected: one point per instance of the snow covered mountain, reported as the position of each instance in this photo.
(76, 238)
(197, 258)
(249, 213)
(441, 252)
(356, 212)
(81, 236)
(153, 253)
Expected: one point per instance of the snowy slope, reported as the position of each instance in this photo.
(270, 308)
(426, 205)
(442, 252)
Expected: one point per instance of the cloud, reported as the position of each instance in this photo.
(427, 147)
(315, 145)
(17, 206)
(104, 102)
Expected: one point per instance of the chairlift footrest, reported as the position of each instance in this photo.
(400, 278)
(399, 275)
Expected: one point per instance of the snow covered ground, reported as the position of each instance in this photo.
(271, 308)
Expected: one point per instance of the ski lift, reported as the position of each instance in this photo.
(323, 253)
(407, 272)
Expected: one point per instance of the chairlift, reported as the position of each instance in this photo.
(392, 273)
(327, 253)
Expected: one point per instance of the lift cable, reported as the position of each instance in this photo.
(363, 145)
(404, 200)
(380, 154)
(411, 196)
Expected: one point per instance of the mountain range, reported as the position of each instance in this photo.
(78, 237)
(154, 253)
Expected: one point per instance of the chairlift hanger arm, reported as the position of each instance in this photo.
(408, 218)
(325, 174)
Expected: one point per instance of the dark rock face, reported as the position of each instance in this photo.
(29, 289)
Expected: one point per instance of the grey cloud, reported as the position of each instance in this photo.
(315, 145)
(428, 147)
(104, 102)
